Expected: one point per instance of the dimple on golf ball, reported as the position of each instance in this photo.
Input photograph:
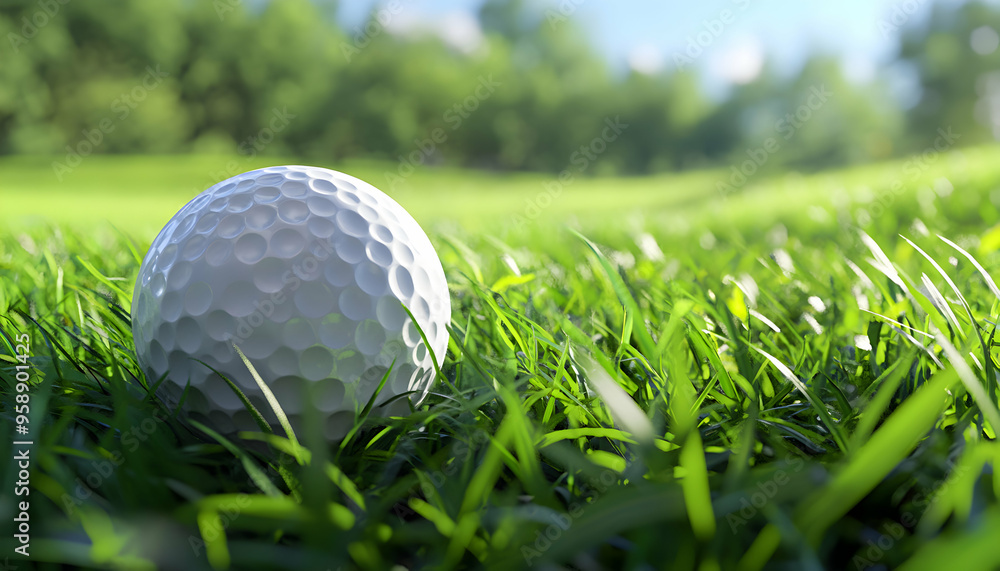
(307, 271)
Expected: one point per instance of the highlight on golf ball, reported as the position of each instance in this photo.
(307, 270)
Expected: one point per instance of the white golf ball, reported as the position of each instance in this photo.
(307, 271)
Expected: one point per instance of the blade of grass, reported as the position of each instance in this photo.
(271, 400)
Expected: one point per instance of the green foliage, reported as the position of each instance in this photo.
(957, 84)
(283, 78)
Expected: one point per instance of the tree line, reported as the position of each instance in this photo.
(285, 78)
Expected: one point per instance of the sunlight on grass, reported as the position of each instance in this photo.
(756, 389)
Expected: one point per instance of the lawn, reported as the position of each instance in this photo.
(643, 373)
(139, 194)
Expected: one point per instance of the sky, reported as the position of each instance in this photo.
(650, 35)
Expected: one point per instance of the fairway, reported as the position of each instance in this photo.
(443, 285)
(640, 370)
(139, 194)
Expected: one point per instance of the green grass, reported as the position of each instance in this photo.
(139, 194)
(644, 376)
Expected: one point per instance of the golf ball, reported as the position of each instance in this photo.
(307, 271)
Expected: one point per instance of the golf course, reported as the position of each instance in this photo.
(560, 285)
(640, 370)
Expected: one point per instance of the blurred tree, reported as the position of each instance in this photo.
(828, 120)
(956, 57)
(282, 77)
(511, 19)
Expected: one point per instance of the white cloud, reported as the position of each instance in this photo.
(459, 29)
(741, 62)
(647, 59)
(860, 69)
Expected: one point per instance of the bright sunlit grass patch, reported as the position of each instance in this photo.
(679, 379)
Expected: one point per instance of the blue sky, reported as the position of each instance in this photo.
(648, 33)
